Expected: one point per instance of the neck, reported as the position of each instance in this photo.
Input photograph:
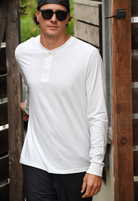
(52, 43)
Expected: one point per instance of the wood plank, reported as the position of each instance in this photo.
(4, 192)
(122, 103)
(134, 27)
(4, 145)
(87, 13)
(135, 131)
(3, 18)
(135, 155)
(88, 33)
(3, 86)
(2, 61)
(4, 168)
(14, 99)
(135, 100)
(88, 2)
(136, 190)
(134, 8)
(135, 68)
(3, 114)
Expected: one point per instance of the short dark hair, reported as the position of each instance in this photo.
(35, 20)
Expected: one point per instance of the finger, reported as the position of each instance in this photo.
(25, 117)
(88, 192)
(91, 191)
(94, 191)
(97, 190)
(83, 185)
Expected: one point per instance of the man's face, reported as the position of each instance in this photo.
(52, 27)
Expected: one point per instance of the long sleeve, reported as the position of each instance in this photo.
(25, 82)
(27, 92)
(96, 113)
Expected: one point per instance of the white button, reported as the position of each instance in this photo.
(47, 64)
(48, 53)
(45, 74)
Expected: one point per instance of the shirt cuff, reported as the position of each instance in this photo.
(96, 169)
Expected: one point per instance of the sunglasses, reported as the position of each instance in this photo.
(60, 14)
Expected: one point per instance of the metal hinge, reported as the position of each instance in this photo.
(121, 15)
(21, 10)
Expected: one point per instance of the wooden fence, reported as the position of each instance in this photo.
(11, 139)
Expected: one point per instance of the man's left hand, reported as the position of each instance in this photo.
(91, 185)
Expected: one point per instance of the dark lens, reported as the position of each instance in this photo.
(47, 14)
(61, 15)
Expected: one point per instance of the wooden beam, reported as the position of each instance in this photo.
(3, 17)
(4, 168)
(134, 8)
(4, 145)
(14, 99)
(4, 192)
(135, 68)
(134, 27)
(3, 114)
(3, 86)
(122, 103)
(135, 131)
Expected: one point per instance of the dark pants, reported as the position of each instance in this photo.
(40, 185)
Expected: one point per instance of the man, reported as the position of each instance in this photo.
(63, 152)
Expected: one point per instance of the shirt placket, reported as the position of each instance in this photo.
(47, 67)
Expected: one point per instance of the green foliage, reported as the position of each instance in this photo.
(70, 27)
(28, 27)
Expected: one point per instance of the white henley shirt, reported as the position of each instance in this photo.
(66, 104)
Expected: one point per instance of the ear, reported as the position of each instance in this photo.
(68, 17)
(37, 15)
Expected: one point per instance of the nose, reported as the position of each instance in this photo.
(54, 18)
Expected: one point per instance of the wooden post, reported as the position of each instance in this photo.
(3, 17)
(14, 99)
(122, 103)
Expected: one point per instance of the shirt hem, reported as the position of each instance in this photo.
(53, 171)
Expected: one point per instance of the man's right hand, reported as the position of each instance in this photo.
(25, 116)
